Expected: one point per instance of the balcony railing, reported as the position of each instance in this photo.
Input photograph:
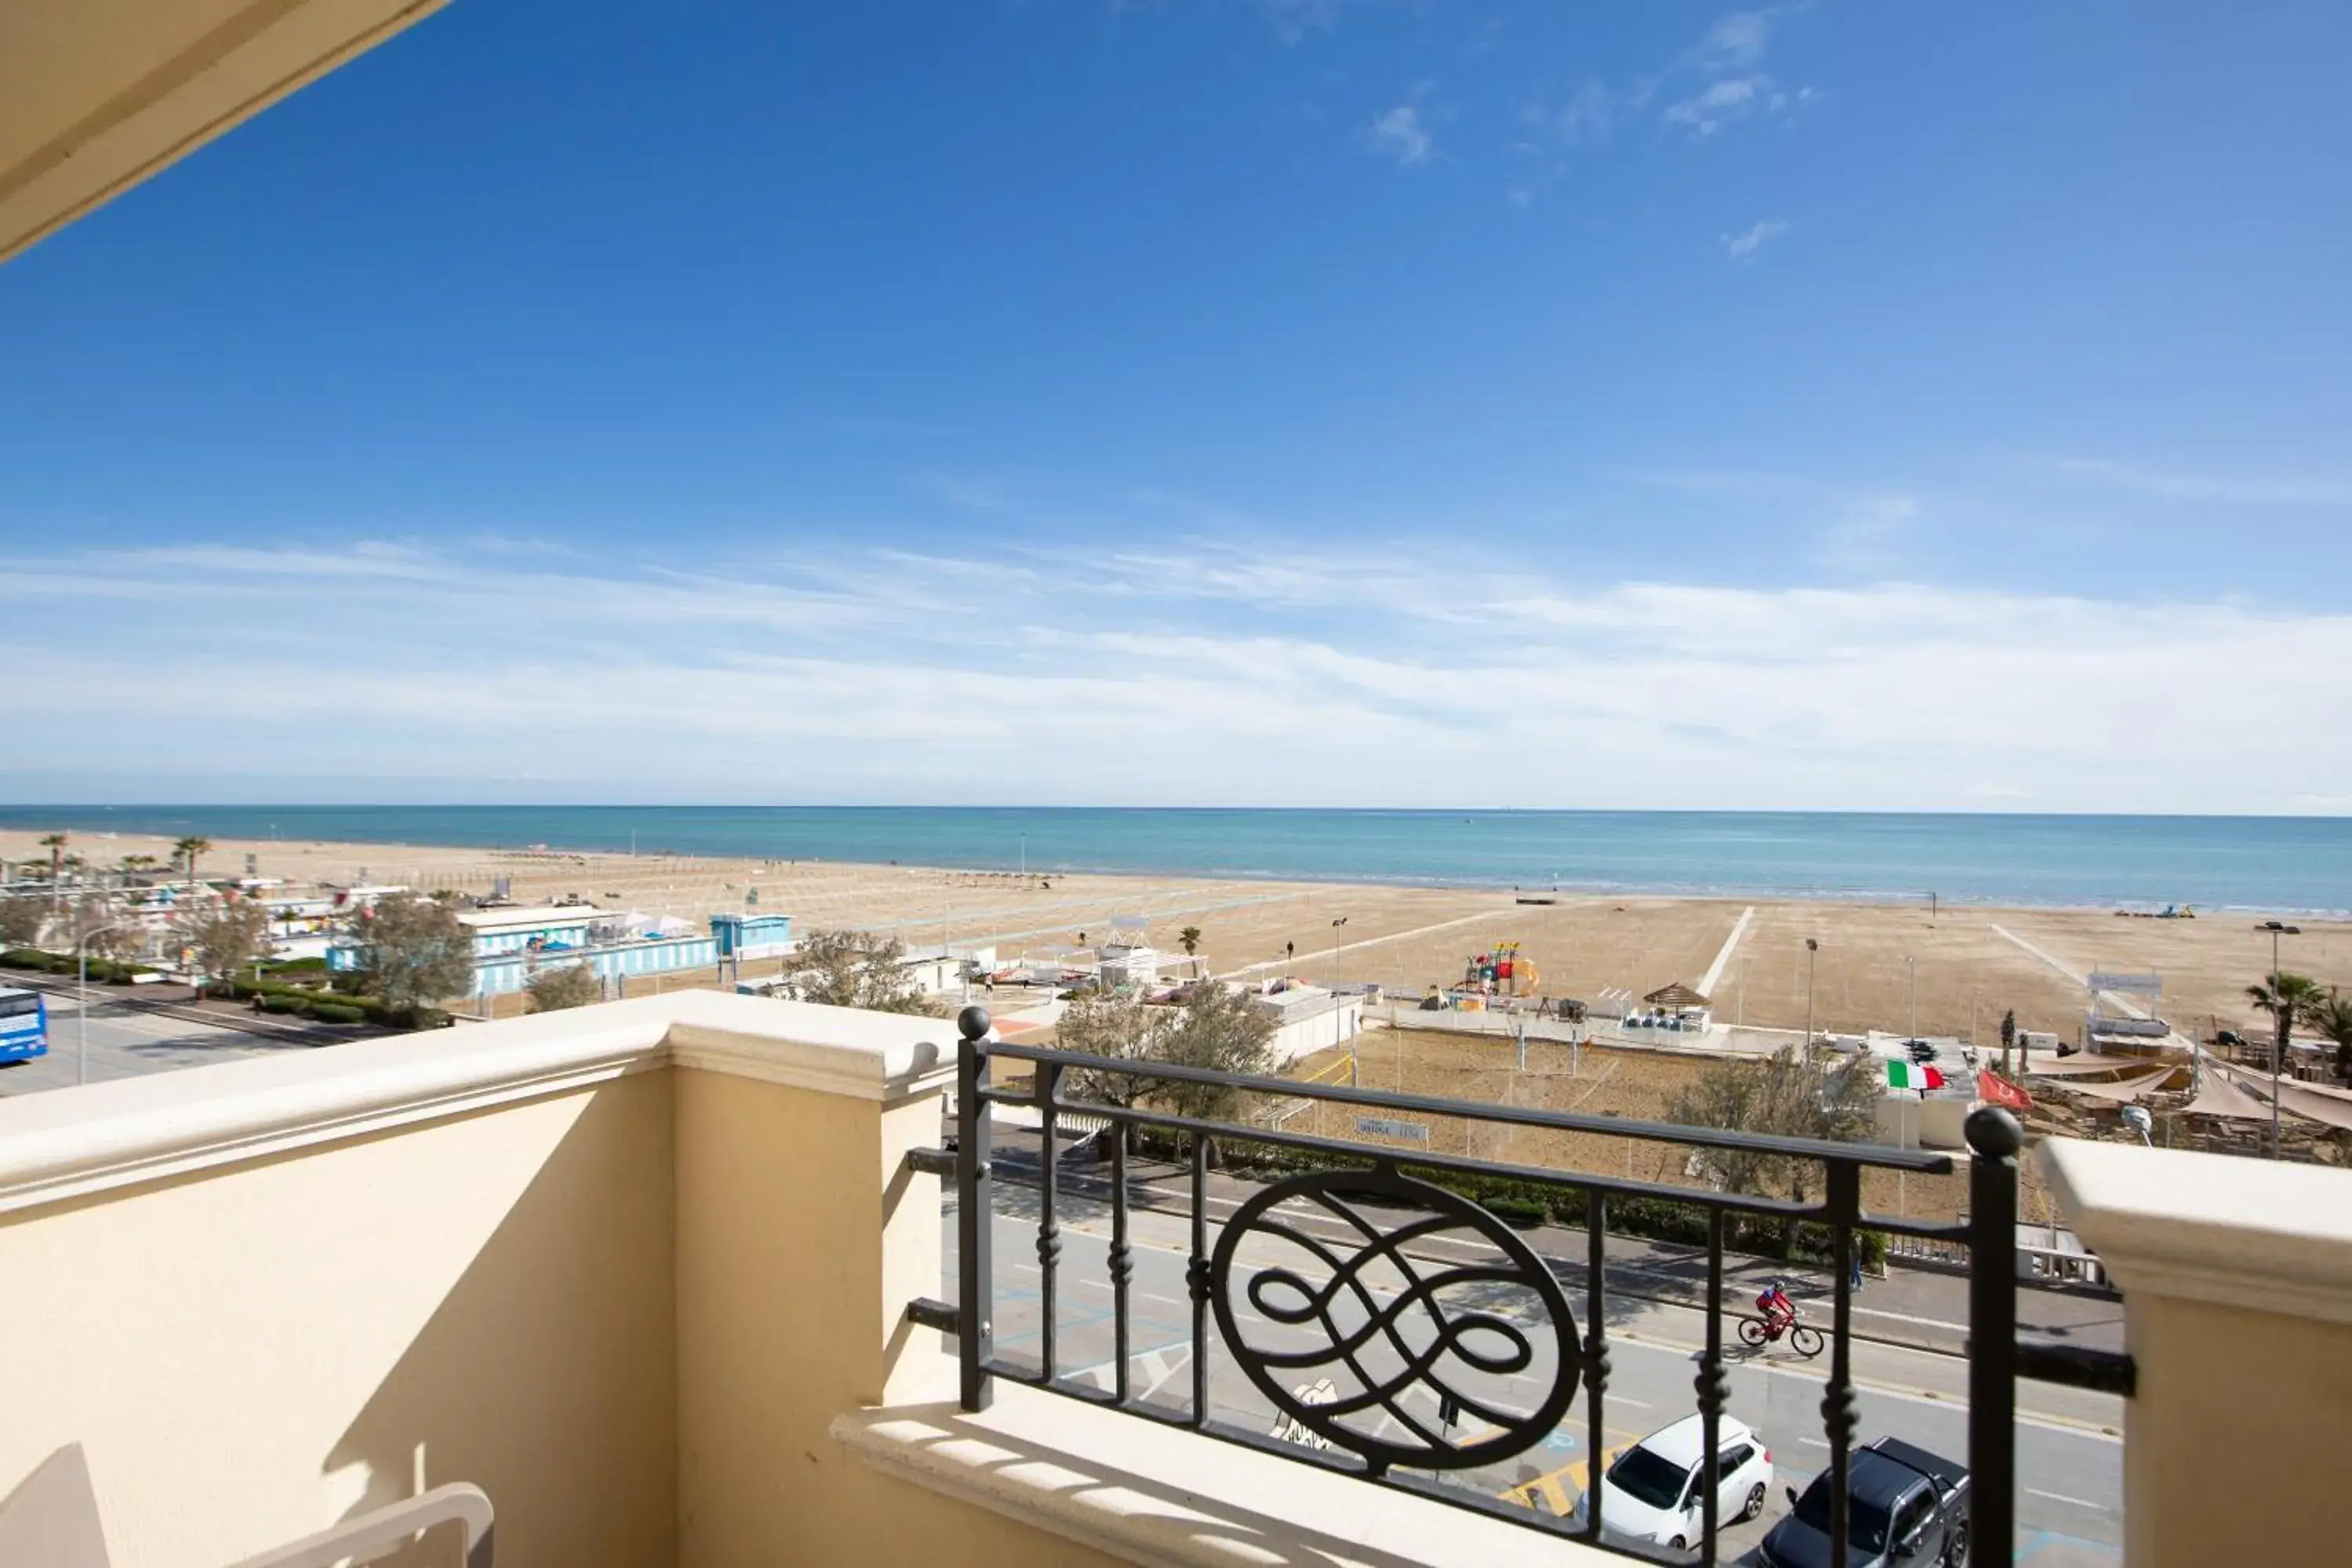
(1391, 1283)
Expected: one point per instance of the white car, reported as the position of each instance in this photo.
(1651, 1492)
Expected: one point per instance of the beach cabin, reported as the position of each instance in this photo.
(753, 935)
(497, 931)
(1308, 1018)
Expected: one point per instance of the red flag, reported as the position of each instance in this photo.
(1995, 1089)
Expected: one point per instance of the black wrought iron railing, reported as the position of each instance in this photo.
(1377, 1281)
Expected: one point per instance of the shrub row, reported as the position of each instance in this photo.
(1520, 1203)
(331, 1006)
(100, 969)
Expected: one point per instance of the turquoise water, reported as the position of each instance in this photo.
(2302, 864)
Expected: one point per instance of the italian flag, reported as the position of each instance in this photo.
(1910, 1075)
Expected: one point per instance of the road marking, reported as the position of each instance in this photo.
(1812, 1441)
(1158, 1367)
(1907, 1318)
(2078, 1502)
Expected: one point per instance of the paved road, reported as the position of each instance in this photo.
(126, 1041)
(2070, 1494)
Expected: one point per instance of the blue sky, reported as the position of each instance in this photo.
(1264, 402)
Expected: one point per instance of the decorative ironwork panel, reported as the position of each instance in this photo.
(1412, 1362)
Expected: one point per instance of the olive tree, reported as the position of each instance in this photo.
(1786, 1095)
(857, 969)
(1122, 1029)
(413, 951)
(1219, 1029)
(565, 985)
(223, 938)
(22, 921)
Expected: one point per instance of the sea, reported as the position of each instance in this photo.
(2301, 865)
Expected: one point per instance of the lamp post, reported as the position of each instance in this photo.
(1812, 951)
(1338, 1006)
(82, 996)
(2280, 1018)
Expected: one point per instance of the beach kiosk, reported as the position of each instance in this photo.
(1677, 1009)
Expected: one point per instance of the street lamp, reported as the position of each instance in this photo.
(1812, 951)
(81, 997)
(1915, 995)
(1338, 1006)
(2280, 1018)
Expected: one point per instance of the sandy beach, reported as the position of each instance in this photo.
(1969, 963)
(1960, 967)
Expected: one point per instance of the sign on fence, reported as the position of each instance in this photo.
(1381, 1127)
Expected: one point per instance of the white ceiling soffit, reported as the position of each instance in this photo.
(96, 95)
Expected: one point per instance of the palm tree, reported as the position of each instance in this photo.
(188, 849)
(2331, 1020)
(1190, 938)
(135, 864)
(55, 843)
(2286, 998)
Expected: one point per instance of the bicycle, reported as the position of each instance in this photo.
(1804, 1338)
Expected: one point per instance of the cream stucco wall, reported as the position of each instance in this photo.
(2234, 1447)
(801, 1237)
(622, 1267)
(2237, 1283)
(256, 1351)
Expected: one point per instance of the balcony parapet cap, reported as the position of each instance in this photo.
(1147, 1492)
(67, 1143)
(2254, 1233)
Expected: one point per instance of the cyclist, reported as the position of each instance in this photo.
(1773, 1302)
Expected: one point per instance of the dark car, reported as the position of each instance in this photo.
(1905, 1509)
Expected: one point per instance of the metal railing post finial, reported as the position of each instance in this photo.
(1994, 1138)
(975, 1207)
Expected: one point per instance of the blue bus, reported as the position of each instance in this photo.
(23, 1024)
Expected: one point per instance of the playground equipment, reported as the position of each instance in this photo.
(1505, 972)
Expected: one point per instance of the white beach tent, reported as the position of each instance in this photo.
(2216, 1096)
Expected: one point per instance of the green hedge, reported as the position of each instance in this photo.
(1517, 1202)
(331, 1006)
(1515, 1211)
(106, 971)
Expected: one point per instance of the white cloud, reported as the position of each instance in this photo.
(1589, 116)
(1735, 42)
(1401, 134)
(1184, 672)
(1740, 246)
(1294, 19)
(1720, 104)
